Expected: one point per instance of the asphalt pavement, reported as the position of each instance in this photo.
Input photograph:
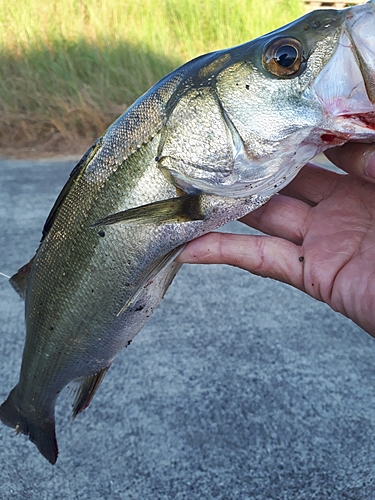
(238, 388)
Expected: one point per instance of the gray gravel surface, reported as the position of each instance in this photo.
(238, 388)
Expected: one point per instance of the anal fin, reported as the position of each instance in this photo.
(86, 391)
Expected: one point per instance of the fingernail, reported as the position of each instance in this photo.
(370, 167)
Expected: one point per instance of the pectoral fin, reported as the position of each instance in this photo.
(181, 209)
(19, 280)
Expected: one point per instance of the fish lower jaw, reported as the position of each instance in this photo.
(364, 123)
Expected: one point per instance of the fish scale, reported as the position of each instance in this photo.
(209, 143)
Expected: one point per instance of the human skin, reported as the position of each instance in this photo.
(319, 236)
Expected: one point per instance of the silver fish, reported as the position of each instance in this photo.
(210, 142)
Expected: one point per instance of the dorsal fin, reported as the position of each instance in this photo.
(86, 391)
(75, 174)
(19, 280)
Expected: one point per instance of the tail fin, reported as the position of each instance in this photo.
(41, 433)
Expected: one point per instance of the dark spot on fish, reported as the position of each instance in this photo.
(92, 290)
(129, 342)
(101, 233)
(247, 87)
(302, 258)
(50, 328)
(139, 308)
(157, 158)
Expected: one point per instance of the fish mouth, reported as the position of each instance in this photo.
(365, 120)
(346, 85)
(358, 127)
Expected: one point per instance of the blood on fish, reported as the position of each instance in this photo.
(328, 138)
(367, 119)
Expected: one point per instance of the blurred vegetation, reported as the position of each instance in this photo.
(68, 68)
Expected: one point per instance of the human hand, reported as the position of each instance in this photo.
(321, 236)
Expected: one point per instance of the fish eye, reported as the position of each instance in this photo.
(283, 57)
(286, 55)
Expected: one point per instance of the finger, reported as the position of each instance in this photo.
(265, 256)
(312, 184)
(355, 158)
(281, 216)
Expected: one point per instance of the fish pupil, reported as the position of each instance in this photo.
(286, 55)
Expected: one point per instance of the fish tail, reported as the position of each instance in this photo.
(40, 433)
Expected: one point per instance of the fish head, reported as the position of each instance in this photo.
(258, 112)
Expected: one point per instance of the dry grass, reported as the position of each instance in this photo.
(69, 68)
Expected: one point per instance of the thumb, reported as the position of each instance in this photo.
(355, 158)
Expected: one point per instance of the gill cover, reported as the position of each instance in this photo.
(231, 129)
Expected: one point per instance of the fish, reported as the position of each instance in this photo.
(210, 142)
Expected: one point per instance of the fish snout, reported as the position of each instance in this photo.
(346, 85)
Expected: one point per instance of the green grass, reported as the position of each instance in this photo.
(68, 68)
